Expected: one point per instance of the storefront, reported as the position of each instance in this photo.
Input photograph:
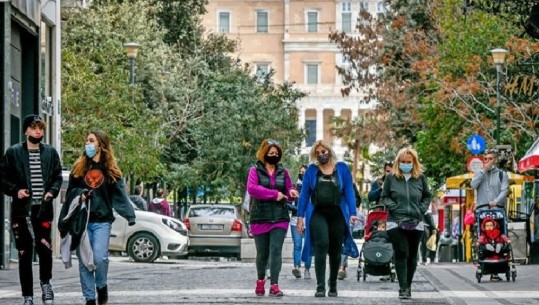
(30, 82)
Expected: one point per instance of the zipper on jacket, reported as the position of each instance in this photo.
(407, 195)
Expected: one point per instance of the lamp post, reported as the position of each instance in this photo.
(131, 48)
(498, 56)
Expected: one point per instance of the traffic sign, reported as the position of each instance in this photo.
(474, 164)
(476, 144)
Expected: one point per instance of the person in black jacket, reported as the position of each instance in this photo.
(97, 177)
(406, 196)
(31, 173)
(430, 229)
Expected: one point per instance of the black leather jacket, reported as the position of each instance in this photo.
(15, 175)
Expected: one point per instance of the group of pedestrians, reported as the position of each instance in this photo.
(31, 173)
(326, 210)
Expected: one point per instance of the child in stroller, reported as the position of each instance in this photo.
(493, 246)
(376, 257)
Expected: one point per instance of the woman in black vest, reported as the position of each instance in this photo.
(270, 187)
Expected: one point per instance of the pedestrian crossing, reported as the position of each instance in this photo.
(229, 293)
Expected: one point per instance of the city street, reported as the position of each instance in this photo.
(230, 282)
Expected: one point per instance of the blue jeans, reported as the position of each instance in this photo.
(298, 245)
(99, 235)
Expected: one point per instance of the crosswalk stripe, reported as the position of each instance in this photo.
(302, 293)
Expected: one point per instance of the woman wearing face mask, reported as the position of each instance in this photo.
(406, 196)
(297, 238)
(327, 206)
(270, 188)
(97, 179)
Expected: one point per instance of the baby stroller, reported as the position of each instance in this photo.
(376, 256)
(502, 263)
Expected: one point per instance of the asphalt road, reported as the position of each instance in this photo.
(228, 282)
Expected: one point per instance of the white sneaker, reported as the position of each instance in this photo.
(489, 247)
(307, 274)
(498, 248)
(341, 275)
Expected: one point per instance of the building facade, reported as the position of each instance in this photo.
(291, 37)
(30, 82)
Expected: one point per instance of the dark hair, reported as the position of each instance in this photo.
(160, 192)
(388, 163)
(138, 190)
(303, 166)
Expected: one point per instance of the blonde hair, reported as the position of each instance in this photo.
(416, 171)
(312, 153)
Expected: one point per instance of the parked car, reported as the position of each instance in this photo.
(152, 236)
(215, 229)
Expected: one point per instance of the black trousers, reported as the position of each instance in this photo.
(270, 243)
(327, 233)
(406, 245)
(24, 242)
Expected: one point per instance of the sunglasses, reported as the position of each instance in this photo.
(273, 142)
(321, 152)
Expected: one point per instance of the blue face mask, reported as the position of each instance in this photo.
(90, 150)
(405, 167)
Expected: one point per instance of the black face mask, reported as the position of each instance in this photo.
(272, 159)
(34, 140)
(300, 176)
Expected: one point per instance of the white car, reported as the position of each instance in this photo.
(152, 236)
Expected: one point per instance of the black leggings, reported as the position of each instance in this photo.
(405, 244)
(327, 233)
(25, 243)
(270, 243)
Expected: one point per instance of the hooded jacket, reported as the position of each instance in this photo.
(160, 206)
(493, 236)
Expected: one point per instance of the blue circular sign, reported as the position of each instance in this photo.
(476, 144)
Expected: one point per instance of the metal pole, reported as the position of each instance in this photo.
(131, 70)
(498, 68)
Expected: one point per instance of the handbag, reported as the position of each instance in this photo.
(431, 243)
(469, 218)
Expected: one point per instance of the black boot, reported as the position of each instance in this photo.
(90, 302)
(320, 291)
(332, 289)
(102, 295)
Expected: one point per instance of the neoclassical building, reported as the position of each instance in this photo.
(291, 37)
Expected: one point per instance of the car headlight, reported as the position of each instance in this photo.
(174, 225)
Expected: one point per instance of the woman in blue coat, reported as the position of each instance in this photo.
(326, 207)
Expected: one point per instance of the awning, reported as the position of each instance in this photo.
(530, 161)
(463, 180)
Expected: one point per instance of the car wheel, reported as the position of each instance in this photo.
(143, 247)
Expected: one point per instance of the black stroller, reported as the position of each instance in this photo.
(502, 261)
(376, 256)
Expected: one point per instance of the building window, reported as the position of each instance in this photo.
(261, 22)
(261, 71)
(311, 71)
(312, 22)
(310, 130)
(224, 22)
(364, 6)
(347, 22)
(380, 7)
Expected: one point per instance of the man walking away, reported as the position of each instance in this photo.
(138, 200)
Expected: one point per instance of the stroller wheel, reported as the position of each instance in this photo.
(364, 276)
(508, 276)
(478, 275)
(514, 275)
(358, 274)
(392, 277)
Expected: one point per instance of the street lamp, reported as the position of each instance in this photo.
(498, 56)
(131, 48)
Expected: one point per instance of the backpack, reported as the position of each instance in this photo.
(326, 191)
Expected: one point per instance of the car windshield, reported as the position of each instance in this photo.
(213, 212)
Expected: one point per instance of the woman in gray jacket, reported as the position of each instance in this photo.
(406, 196)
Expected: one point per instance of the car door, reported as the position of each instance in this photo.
(118, 233)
